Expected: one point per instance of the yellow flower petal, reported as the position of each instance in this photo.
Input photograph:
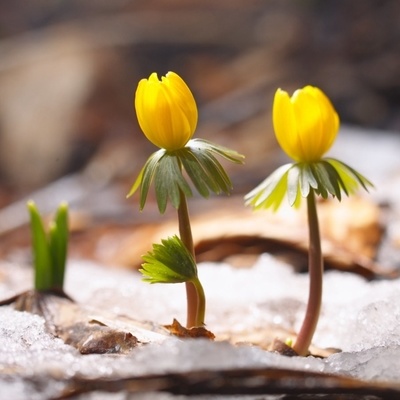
(285, 123)
(305, 124)
(166, 110)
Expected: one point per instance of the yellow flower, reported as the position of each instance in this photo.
(166, 110)
(305, 124)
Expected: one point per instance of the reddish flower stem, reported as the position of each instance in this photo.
(316, 270)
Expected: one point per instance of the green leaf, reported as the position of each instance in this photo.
(197, 158)
(351, 179)
(137, 183)
(325, 177)
(278, 194)
(163, 167)
(322, 178)
(327, 181)
(169, 262)
(293, 184)
(58, 245)
(41, 252)
(150, 170)
(196, 173)
(146, 176)
(307, 179)
(205, 171)
(169, 182)
(335, 179)
(224, 152)
(270, 192)
(215, 171)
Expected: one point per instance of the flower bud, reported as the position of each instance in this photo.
(166, 110)
(305, 124)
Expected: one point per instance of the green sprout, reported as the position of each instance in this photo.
(167, 114)
(172, 262)
(49, 248)
(306, 126)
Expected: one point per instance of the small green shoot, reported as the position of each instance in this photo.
(49, 248)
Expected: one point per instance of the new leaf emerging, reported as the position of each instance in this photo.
(169, 262)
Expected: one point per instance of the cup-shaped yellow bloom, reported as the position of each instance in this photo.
(166, 110)
(305, 124)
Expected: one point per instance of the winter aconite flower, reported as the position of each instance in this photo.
(167, 114)
(306, 126)
(166, 110)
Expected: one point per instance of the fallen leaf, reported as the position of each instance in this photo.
(196, 332)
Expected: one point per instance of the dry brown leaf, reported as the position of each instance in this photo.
(196, 332)
(351, 234)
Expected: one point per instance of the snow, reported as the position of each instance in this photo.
(359, 317)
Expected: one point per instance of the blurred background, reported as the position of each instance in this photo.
(69, 70)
